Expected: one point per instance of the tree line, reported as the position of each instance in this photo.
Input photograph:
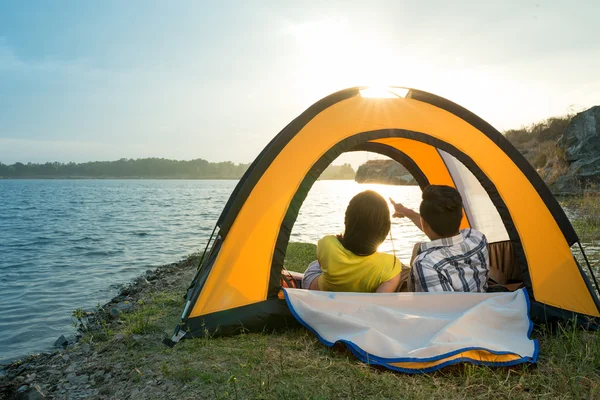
(127, 168)
(153, 168)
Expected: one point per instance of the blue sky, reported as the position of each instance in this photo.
(83, 80)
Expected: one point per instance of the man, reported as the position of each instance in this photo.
(455, 260)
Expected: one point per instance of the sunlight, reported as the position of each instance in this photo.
(383, 92)
(377, 92)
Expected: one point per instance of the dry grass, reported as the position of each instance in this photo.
(549, 160)
(538, 144)
(529, 137)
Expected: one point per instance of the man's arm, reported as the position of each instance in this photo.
(401, 211)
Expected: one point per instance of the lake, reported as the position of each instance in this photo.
(66, 244)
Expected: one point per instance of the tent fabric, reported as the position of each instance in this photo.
(443, 144)
(480, 211)
(421, 332)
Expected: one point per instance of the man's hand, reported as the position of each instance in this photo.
(399, 210)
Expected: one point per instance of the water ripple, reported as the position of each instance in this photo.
(66, 244)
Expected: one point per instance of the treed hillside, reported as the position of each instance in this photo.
(149, 168)
(127, 168)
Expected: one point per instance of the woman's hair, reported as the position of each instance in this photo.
(442, 208)
(367, 223)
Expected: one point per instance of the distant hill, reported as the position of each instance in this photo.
(339, 172)
(144, 168)
(388, 172)
(127, 168)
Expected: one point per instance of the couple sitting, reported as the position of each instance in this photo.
(454, 260)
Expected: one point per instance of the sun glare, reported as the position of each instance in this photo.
(383, 92)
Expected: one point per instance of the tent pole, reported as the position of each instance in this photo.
(178, 334)
(589, 267)
(202, 258)
(206, 248)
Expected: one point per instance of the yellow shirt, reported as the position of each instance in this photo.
(344, 271)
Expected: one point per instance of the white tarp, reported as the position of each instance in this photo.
(419, 327)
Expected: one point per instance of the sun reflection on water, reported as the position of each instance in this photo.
(322, 213)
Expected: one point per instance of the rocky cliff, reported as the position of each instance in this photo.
(580, 144)
(388, 172)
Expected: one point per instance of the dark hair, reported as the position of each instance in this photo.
(441, 208)
(367, 223)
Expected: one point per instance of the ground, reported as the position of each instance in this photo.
(123, 357)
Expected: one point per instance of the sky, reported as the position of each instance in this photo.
(104, 80)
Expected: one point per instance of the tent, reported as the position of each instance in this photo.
(238, 280)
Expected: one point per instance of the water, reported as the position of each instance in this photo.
(66, 244)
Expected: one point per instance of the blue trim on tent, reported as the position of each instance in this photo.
(375, 360)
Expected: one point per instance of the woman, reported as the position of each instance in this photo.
(350, 262)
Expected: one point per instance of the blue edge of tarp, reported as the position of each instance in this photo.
(381, 361)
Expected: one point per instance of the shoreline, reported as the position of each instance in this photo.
(75, 369)
(121, 356)
(133, 178)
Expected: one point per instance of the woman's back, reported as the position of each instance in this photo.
(344, 271)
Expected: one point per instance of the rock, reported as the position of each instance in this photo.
(141, 281)
(78, 379)
(61, 342)
(567, 186)
(122, 307)
(98, 376)
(581, 138)
(384, 171)
(34, 393)
(72, 368)
(581, 145)
(85, 348)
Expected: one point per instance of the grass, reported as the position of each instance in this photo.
(587, 219)
(586, 222)
(538, 143)
(294, 364)
(299, 255)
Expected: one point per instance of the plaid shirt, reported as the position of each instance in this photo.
(456, 264)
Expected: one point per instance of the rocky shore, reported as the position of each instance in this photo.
(86, 368)
(388, 172)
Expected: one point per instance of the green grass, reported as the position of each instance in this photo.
(587, 220)
(294, 364)
(299, 255)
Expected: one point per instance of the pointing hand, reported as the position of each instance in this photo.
(399, 210)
